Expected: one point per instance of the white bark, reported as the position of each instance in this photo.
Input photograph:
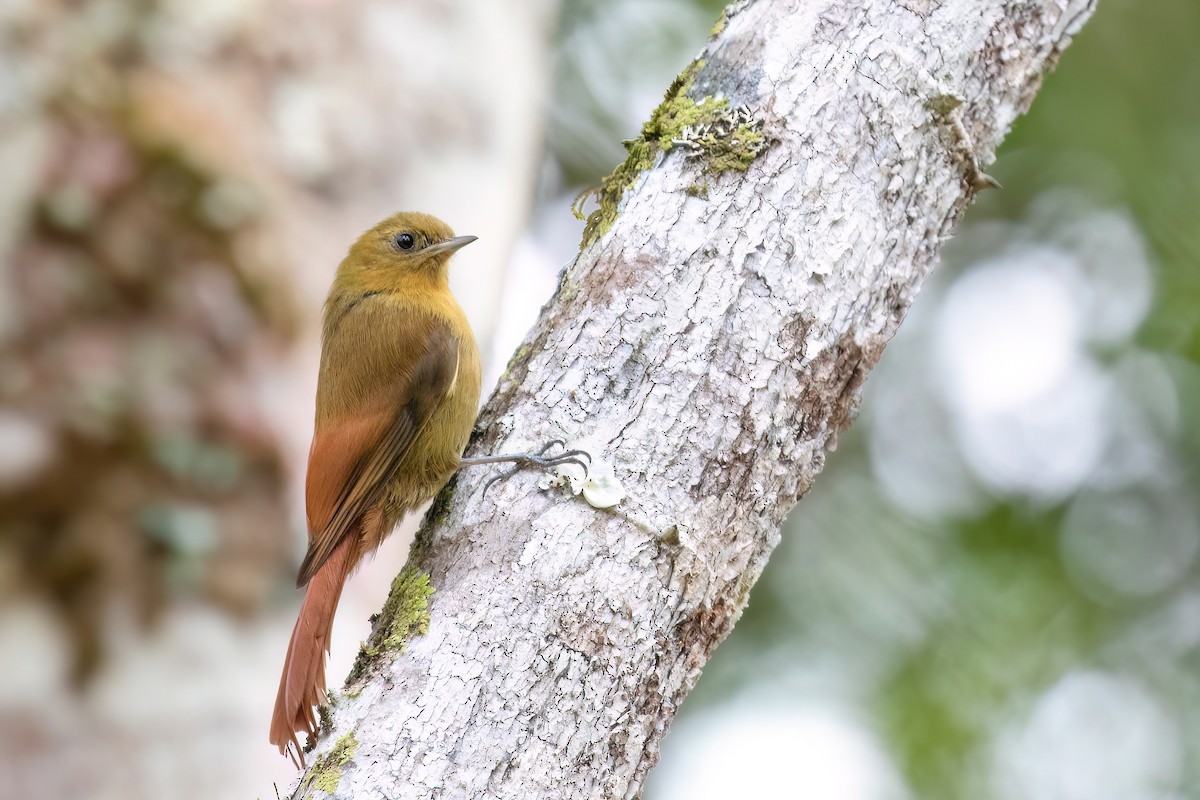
(714, 347)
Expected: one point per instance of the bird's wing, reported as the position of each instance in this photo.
(356, 453)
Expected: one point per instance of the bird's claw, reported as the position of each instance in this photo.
(538, 459)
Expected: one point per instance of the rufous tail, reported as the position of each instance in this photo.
(302, 685)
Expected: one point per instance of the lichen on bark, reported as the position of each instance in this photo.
(721, 137)
(405, 614)
(326, 771)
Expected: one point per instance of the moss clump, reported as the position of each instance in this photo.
(722, 138)
(517, 359)
(406, 612)
(362, 663)
(719, 26)
(728, 142)
(438, 510)
(404, 615)
(326, 718)
(440, 506)
(326, 771)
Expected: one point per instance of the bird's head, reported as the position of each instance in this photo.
(407, 243)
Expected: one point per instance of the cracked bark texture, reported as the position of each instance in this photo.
(713, 347)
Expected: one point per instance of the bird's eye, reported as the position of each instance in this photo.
(405, 241)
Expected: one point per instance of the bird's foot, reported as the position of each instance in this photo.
(580, 458)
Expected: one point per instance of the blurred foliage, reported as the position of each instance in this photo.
(941, 703)
(961, 631)
(614, 60)
(136, 467)
(1120, 118)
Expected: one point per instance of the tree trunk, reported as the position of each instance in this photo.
(744, 271)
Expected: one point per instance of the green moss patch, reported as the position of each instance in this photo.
(325, 717)
(406, 612)
(440, 506)
(326, 771)
(720, 137)
(719, 26)
(404, 615)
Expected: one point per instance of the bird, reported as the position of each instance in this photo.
(397, 395)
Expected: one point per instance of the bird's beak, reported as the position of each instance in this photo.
(450, 245)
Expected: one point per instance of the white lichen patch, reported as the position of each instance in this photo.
(728, 138)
